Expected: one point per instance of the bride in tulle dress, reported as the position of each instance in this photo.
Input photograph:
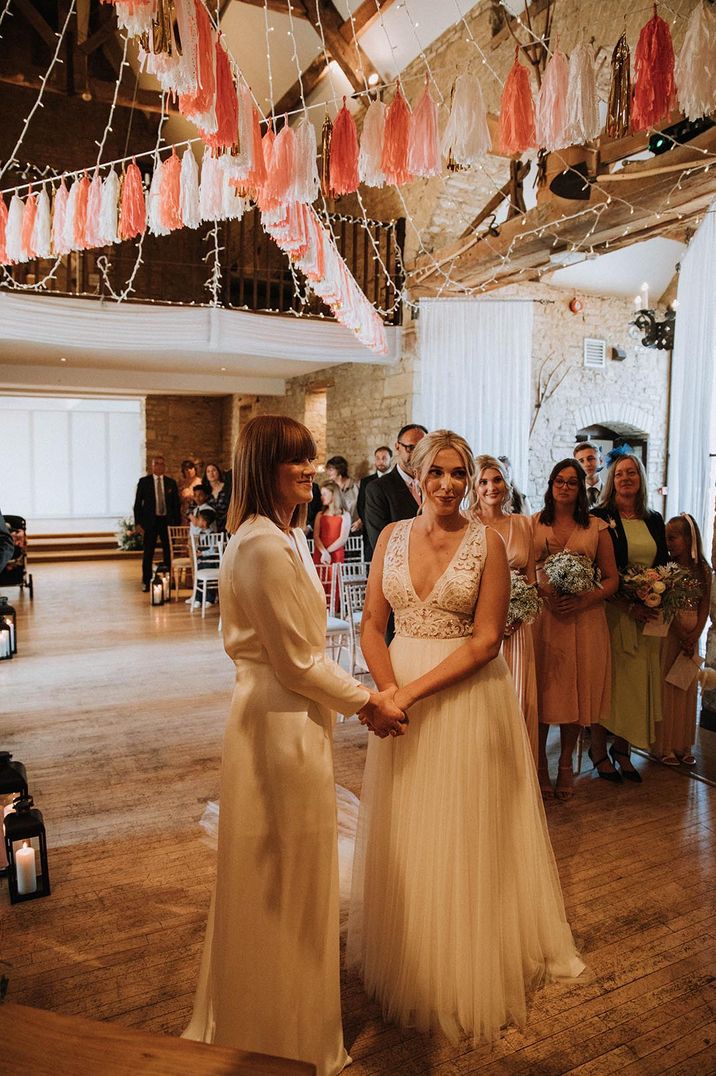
(456, 907)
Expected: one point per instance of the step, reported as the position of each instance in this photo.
(81, 553)
(36, 536)
(106, 541)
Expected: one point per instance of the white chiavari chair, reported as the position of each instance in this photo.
(349, 571)
(207, 550)
(354, 547)
(309, 543)
(338, 632)
(354, 596)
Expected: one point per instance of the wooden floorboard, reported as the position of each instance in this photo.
(117, 710)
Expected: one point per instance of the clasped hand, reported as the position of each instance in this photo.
(382, 716)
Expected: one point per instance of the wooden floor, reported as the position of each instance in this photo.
(118, 709)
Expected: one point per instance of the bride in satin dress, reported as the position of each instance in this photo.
(269, 978)
(456, 907)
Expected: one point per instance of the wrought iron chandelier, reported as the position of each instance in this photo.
(645, 326)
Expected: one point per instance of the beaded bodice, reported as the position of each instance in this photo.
(449, 609)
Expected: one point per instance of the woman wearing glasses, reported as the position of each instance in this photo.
(571, 636)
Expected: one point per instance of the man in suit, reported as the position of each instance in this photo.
(587, 455)
(156, 508)
(396, 496)
(383, 458)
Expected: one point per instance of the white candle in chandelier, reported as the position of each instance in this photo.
(637, 302)
(25, 870)
(645, 296)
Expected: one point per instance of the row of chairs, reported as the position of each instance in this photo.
(188, 551)
(354, 548)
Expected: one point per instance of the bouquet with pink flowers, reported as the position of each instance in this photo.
(666, 589)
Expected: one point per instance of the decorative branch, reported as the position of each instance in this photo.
(547, 386)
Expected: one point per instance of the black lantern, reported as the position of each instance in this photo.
(26, 850)
(13, 783)
(156, 589)
(163, 573)
(9, 617)
(5, 641)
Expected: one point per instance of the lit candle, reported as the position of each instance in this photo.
(25, 870)
(11, 626)
(157, 594)
(645, 295)
(5, 644)
(637, 302)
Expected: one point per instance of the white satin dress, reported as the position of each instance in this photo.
(269, 979)
(456, 908)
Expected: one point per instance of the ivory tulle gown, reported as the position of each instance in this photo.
(456, 908)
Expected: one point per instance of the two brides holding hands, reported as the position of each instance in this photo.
(456, 909)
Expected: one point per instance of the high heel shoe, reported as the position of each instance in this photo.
(609, 775)
(564, 789)
(545, 784)
(628, 775)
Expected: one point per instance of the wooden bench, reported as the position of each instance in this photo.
(50, 1044)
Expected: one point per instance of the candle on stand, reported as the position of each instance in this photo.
(645, 296)
(637, 302)
(25, 870)
(11, 628)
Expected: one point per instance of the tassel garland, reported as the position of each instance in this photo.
(695, 69)
(583, 123)
(371, 145)
(654, 91)
(133, 211)
(396, 141)
(517, 123)
(551, 119)
(424, 145)
(467, 135)
(619, 105)
(344, 178)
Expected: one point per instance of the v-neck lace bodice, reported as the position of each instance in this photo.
(449, 609)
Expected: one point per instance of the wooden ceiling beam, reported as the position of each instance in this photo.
(364, 16)
(280, 7)
(310, 78)
(32, 16)
(349, 56)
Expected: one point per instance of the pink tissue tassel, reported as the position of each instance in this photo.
(371, 145)
(424, 149)
(583, 122)
(280, 181)
(16, 252)
(93, 236)
(80, 217)
(307, 182)
(59, 219)
(551, 120)
(467, 134)
(695, 70)
(517, 124)
(170, 194)
(396, 141)
(344, 154)
(28, 223)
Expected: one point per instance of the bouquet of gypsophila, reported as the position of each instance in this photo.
(667, 588)
(525, 602)
(128, 537)
(571, 573)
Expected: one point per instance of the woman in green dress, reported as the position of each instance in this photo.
(639, 541)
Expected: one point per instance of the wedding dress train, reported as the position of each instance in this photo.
(456, 909)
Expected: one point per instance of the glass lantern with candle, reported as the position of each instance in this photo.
(13, 783)
(156, 590)
(26, 851)
(5, 641)
(163, 573)
(8, 616)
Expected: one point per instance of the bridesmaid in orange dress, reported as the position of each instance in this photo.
(492, 499)
(572, 645)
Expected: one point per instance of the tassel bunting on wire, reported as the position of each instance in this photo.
(396, 141)
(695, 69)
(424, 146)
(517, 120)
(226, 133)
(28, 223)
(307, 182)
(467, 135)
(3, 231)
(325, 162)
(583, 122)
(41, 234)
(654, 93)
(94, 209)
(59, 220)
(371, 145)
(109, 209)
(16, 252)
(133, 210)
(344, 178)
(619, 103)
(551, 117)
(189, 186)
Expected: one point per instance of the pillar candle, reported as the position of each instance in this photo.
(25, 870)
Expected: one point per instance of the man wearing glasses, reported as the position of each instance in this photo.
(397, 495)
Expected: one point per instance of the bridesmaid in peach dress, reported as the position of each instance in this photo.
(492, 498)
(571, 636)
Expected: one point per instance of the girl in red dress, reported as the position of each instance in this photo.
(330, 529)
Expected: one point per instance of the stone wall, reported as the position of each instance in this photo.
(187, 427)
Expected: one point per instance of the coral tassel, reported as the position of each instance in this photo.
(517, 124)
(257, 173)
(226, 134)
(170, 194)
(344, 154)
(552, 104)
(396, 141)
(199, 106)
(28, 223)
(59, 219)
(371, 145)
(424, 150)
(133, 211)
(3, 231)
(695, 70)
(80, 220)
(280, 181)
(654, 88)
(264, 199)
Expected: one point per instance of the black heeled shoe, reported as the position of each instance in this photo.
(628, 775)
(612, 776)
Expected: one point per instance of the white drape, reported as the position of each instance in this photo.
(475, 370)
(693, 401)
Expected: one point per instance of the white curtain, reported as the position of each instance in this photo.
(475, 373)
(692, 380)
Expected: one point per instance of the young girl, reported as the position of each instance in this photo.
(676, 731)
(331, 528)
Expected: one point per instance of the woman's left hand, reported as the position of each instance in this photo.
(325, 557)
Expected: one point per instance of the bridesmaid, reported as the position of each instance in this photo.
(571, 636)
(493, 495)
(677, 730)
(639, 540)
